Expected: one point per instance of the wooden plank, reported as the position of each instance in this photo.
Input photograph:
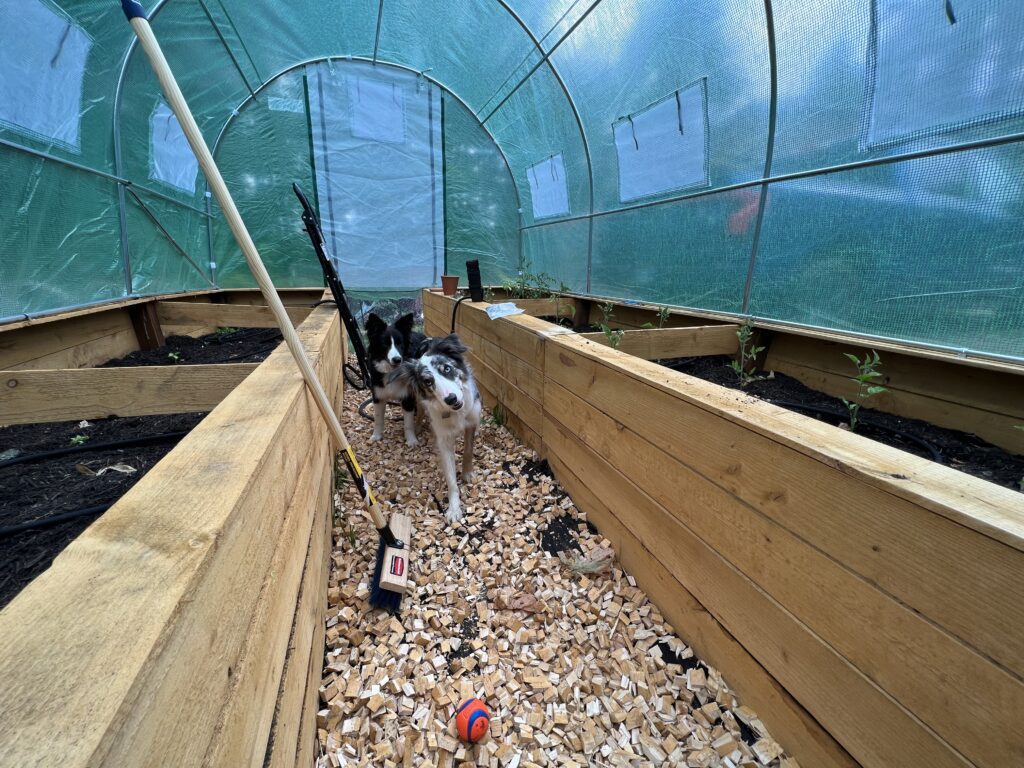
(224, 315)
(824, 485)
(84, 340)
(514, 400)
(148, 332)
(519, 427)
(161, 585)
(521, 335)
(28, 397)
(114, 305)
(290, 297)
(870, 725)
(920, 665)
(984, 402)
(787, 720)
(304, 659)
(665, 343)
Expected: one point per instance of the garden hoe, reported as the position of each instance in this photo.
(391, 572)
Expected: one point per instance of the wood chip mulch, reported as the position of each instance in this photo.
(523, 605)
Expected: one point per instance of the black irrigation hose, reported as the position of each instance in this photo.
(56, 453)
(368, 417)
(936, 455)
(455, 310)
(351, 371)
(45, 522)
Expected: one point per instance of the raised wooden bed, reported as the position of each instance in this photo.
(185, 626)
(864, 601)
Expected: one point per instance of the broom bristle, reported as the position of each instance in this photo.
(380, 597)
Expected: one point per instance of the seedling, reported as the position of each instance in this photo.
(748, 355)
(613, 337)
(174, 356)
(570, 307)
(867, 372)
(79, 439)
(663, 315)
(498, 416)
(527, 285)
(225, 330)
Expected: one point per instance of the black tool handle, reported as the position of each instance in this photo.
(333, 281)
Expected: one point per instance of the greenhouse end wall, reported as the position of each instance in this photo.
(765, 158)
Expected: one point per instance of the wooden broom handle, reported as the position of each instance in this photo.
(147, 39)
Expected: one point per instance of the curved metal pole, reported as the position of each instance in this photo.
(298, 65)
(769, 151)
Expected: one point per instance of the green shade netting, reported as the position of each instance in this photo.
(848, 164)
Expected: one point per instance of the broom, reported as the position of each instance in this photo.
(391, 571)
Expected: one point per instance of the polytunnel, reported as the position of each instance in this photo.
(842, 164)
(720, 467)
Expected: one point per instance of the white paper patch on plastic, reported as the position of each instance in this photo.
(171, 158)
(42, 66)
(664, 147)
(935, 67)
(281, 104)
(548, 190)
(378, 109)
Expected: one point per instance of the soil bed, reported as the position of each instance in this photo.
(239, 345)
(35, 490)
(523, 604)
(959, 450)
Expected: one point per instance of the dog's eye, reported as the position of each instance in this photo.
(446, 370)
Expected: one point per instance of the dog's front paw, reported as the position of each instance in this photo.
(412, 441)
(454, 513)
(376, 437)
(467, 477)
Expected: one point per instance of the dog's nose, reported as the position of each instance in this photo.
(451, 400)
(394, 360)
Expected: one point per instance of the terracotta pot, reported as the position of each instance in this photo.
(449, 284)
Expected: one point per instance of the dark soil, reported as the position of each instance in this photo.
(565, 322)
(35, 490)
(243, 345)
(560, 535)
(959, 450)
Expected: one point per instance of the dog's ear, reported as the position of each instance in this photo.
(450, 345)
(374, 324)
(404, 374)
(405, 323)
(421, 350)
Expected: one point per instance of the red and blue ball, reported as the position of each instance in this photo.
(472, 720)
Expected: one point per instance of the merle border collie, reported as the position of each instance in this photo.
(389, 346)
(444, 386)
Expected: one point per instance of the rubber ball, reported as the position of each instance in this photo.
(472, 720)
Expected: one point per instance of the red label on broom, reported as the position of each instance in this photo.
(397, 565)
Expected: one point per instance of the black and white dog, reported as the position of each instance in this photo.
(389, 346)
(444, 386)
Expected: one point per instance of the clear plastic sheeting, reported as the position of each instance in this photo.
(43, 55)
(967, 66)
(548, 190)
(664, 147)
(171, 159)
(377, 154)
(859, 167)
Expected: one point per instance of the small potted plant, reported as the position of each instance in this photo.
(449, 284)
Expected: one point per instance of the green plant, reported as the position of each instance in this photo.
(663, 315)
(498, 416)
(527, 284)
(79, 439)
(174, 356)
(613, 337)
(570, 306)
(867, 372)
(744, 366)
(225, 330)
